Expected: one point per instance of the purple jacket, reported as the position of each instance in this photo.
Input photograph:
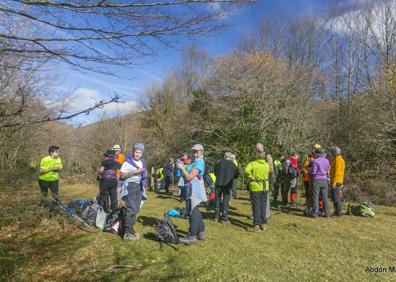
(320, 168)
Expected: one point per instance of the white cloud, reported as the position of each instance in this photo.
(84, 98)
(217, 7)
(119, 88)
(356, 21)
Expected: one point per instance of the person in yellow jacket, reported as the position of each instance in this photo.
(337, 172)
(158, 179)
(50, 166)
(257, 172)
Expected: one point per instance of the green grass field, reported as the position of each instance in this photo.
(36, 245)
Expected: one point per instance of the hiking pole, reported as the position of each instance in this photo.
(71, 213)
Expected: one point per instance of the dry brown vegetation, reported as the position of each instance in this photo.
(295, 83)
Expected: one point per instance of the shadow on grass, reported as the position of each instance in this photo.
(233, 220)
(147, 267)
(292, 210)
(40, 250)
(147, 220)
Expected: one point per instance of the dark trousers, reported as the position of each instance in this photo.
(167, 181)
(308, 193)
(259, 206)
(183, 193)
(234, 188)
(222, 201)
(132, 204)
(196, 222)
(108, 195)
(279, 187)
(320, 188)
(53, 186)
(336, 195)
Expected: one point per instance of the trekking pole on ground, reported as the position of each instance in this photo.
(71, 213)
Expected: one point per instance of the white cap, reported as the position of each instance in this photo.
(197, 147)
(116, 147)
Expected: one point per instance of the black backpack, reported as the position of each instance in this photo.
(115, 222)
(165, 232)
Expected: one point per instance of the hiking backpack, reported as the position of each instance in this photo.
(115, 222)
(364, 209)
(165, 231)
(89, 214)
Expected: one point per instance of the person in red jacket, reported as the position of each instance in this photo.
(291, 179)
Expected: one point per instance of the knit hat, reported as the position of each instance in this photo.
(138, 146)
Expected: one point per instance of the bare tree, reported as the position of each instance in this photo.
(82, 33)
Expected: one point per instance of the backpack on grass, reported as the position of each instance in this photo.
(115, 222)
(165, 232)
(89, 214)
(364, 209)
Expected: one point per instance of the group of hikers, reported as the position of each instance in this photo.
(124, 177)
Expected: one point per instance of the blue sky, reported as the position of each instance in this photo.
(83, 89)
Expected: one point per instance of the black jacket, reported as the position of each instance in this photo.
(225, 172)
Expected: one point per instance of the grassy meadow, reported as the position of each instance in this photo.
(39, 245)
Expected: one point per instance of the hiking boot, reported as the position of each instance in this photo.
(263, 226)
(131, 237)
(225, 221)
(188, 240)
(201, 236)
(337, 214)
(255, 228)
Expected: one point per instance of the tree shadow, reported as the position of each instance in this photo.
(292, 210)
(239, 223)
(147, 220)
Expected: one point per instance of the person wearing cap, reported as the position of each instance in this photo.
(337, 172)
(225, 172)
(50, 166)
(134, 173)
(193, 174)
(319, 175)
(108, 181)
(257, 172)
(120, 158)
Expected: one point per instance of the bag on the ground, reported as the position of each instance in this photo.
(101, 217)
(115, 222)
(165, 230)
(79, 206)
(364, 209)
(89, 214)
